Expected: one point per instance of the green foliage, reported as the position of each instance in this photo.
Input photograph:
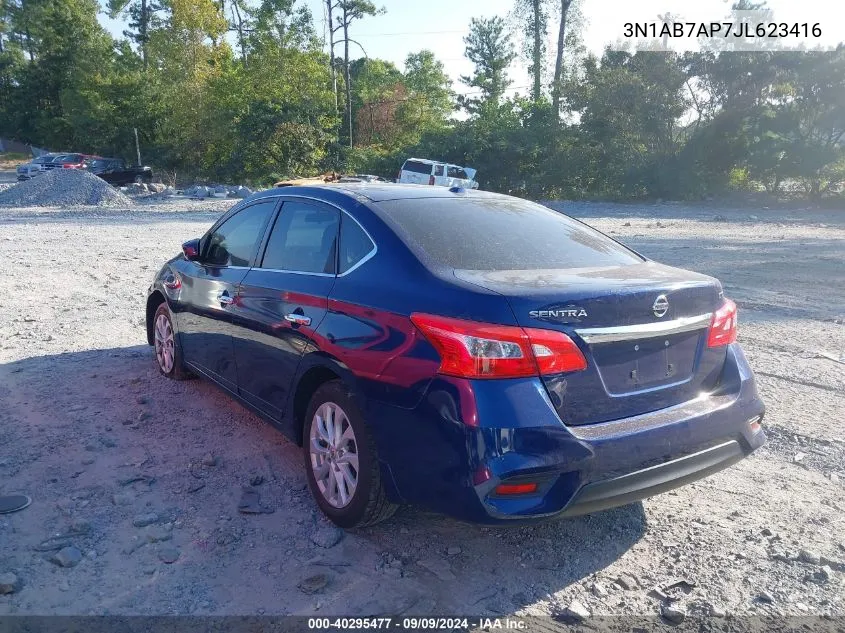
(241, 90)
(489, 47)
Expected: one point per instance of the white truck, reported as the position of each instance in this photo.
(421, 171)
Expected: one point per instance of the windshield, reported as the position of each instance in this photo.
(499, 233)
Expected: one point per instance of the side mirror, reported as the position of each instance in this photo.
(191, 250)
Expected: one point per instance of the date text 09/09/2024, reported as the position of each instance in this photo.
(721, 29)
(416, 623)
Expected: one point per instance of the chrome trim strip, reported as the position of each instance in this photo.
(644, 330)
(360, 262)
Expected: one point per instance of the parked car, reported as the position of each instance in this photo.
(34, 167)
(421, 171)
(68, 161)
(115, 171)
(474, 353)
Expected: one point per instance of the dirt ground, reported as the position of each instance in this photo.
(105, 445)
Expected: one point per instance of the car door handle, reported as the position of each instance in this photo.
(298, 319)
(225, 299)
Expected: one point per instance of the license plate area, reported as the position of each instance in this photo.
(635, 365)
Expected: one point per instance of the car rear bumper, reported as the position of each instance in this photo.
(578, 469)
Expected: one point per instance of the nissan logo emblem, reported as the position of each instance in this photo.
(660, 306)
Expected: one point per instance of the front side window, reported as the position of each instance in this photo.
(234, 242)
(304, 239)
(355, 244)
(457, 172)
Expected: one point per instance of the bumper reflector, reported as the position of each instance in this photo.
(516, 489)
(754, 423)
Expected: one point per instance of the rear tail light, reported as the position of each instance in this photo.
(516, 489)
(431, 180)
(723, 325)
(481, 350)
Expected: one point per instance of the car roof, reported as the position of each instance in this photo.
(374, 191)
(428, 161)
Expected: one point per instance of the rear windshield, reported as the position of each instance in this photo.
(499, 234)
(416, 166)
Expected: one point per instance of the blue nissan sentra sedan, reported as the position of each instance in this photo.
(473, 353)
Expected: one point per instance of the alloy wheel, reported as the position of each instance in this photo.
(164, 344)
(334, 454)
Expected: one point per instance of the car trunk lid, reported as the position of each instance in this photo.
(641, 327)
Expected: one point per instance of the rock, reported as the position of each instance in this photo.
(145, 519)
(327, 536)
(169, 554)
(598, 590)
(809, 556)
(9, 583)
(799, 457)
(157, 534)
(87, 461)
(209, 460)
(577, 611)
(157, 187)
(250, 502)
(765, 596)
(313, 584)
(673, 613)
(142, 400)
(836, 565)
(133, 546)
(766, 532)
(64, 585)
(834, 478)
(200, 192)
(627, 224)
(822, 575)
(718, 611)
(439, 567)
(67, 557)
(256, 479)
(628, 582)
(123, 498)
(752, 217)
(240, 192)
(454, 550)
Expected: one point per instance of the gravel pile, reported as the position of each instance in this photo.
(63, 188)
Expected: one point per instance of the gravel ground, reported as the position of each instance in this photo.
(136, 479)
(63, 187)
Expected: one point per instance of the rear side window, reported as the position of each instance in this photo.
(499, 234)
(355, 244)
(457, 172)
(304, 239)
(438, 170)
(234, 242)
(417, 167)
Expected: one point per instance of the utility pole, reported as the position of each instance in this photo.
(137, 146)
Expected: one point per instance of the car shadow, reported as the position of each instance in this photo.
(81, 422)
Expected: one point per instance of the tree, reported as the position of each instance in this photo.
(350, 11)
(565, 6)
(143, 18)
(534, 17)
(489, 47)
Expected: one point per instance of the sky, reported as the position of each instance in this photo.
(440, 25)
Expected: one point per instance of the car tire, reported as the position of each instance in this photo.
(368, 503)
(166, 351)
